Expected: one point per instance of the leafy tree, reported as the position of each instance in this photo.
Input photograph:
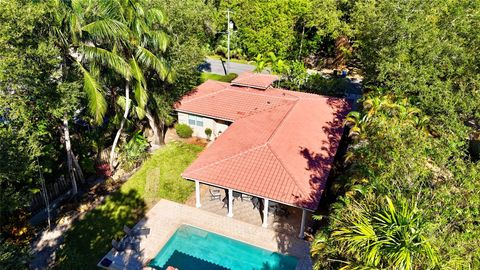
(32, 104)
(288, 28)
(411, 135)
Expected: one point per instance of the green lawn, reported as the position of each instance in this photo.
(159, 177)
(223, 78)
(241, 61)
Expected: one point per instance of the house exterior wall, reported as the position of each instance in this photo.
(217, 126)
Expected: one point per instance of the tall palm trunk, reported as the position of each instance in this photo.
(156, 126)
(68, 148)
(122, 124)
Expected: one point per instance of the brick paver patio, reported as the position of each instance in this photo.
(166, 216)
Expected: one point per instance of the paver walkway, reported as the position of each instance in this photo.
(166, 216)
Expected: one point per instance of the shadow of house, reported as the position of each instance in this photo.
(91, 237)
(319, 164)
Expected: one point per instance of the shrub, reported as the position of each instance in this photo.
(183, 130)
(134, 151)
(103, 169)
(208, 132)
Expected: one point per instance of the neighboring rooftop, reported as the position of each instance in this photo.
(280, 146)
(255, 80)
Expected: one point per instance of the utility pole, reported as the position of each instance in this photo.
(229, 27)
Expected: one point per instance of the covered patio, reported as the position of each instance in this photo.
(251, 209)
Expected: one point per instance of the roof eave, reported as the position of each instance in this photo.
(205, 115)
(248, 193)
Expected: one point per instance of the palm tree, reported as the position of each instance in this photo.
(68, 31)
(386, 236)
(124, 36)
(145, 41)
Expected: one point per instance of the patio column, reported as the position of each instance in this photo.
(230, 203)
(302, 226)
(265, 213)
(197, 194)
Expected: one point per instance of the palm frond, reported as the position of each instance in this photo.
(159, 40)
(140, 112)
(107, 58)
(150, 60)
(97, 104)
(141, 96)
(110, 9)
(156, 15)
(137, 73)
(122, 102)
(107, 29)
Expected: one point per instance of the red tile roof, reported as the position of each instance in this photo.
(280, 146)
(255, 80)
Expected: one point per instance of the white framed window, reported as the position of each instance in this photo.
(195, 120)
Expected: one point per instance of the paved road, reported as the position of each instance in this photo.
(215, 66)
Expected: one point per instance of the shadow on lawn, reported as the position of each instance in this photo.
(90, 238)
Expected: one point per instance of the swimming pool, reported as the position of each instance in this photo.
(191, 248)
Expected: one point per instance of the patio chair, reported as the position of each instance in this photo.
(245, 196)
(256, 202)
(118, 246)
(215, 194)
(143, 231)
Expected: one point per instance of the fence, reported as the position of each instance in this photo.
(54, 191)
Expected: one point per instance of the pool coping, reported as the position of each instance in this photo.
(166, 217)
(226, 236)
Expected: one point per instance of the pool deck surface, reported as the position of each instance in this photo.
(166, 216)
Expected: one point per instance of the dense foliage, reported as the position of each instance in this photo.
(64, 67)
(289, 28)
(411, 137)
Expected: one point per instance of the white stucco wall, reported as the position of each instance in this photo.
(216, 126)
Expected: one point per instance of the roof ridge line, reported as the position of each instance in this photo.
(266, 109)
(285, 168)
(259, 94)
(283, 120)
(230, 157)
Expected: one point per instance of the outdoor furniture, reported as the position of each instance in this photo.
(256, 202)
(118, 246)
(245, 196)
(225, 202)
(278, 210)
(215, 194)
(142, 232)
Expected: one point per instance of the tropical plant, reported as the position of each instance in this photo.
(134, 151)
(260, 63)
(379, 235)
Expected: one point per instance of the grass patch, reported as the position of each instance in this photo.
(223, 78)
(159, 177)
(235, 60)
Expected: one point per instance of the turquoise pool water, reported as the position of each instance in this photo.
(191, 248)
